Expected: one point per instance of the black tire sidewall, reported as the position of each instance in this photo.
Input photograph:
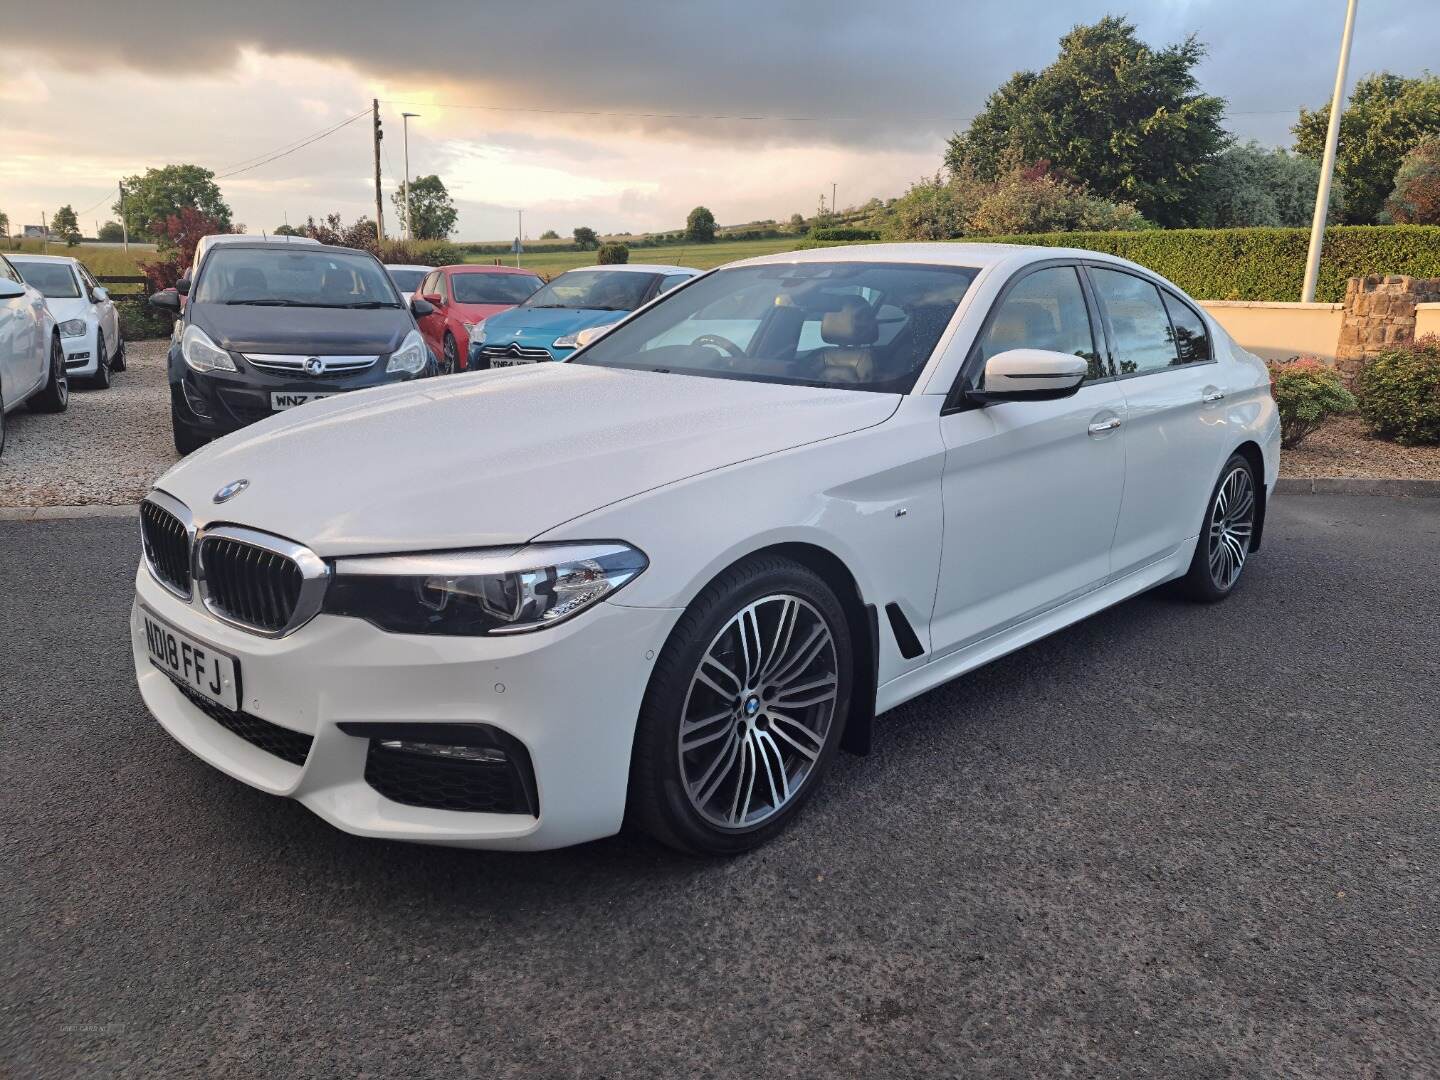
(658, 799)
(1199, 581)
(450, 349)
(102, 364)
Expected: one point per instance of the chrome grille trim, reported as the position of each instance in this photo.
(167, 537)
(529, 352)
(295, 364)
(259, 583)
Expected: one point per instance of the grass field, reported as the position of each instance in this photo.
(700, 256)
(102, 259)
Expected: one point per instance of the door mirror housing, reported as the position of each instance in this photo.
(1030, 375)
(100, 294)
(166, 300)
(10, 289)
(431, 298)
(421, 306)
(183, 286)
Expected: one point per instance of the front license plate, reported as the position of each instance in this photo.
(201, 667)
(508, 361)
(281, 401)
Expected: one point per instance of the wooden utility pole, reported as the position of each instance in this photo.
(379, 199)
(124, 229)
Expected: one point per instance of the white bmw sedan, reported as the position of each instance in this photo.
(696, 560)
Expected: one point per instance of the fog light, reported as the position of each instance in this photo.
(482, 755)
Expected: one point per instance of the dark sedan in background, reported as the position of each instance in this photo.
(266, 328)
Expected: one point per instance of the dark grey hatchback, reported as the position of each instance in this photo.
(267, 327)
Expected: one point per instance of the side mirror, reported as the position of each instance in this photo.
(421, 307)
(10, 289)
(100, 294)
(166, 299)
(183, 286)
(432, 298)
(1030, 375)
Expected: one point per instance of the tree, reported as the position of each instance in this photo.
(65, 225)
(612, 253)
(160, 193)
(286, 230)
(432, 206)
(1387, 116)
(176, 238)
(1416, 198)
(549, 234)
(586, 238)
(700, 226)
(1125, 120)
(797, 223)
(111, 233)
(1251, 186)
(4, 224)
(333, 230)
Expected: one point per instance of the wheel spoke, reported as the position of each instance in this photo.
(801, 659)
(690, 727)
(736, 684)
(766, 746)
(712, 779)
(784, 628)
(738, 811)
(815, 691)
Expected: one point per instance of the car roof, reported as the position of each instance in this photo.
(25, 256)
(941, 253)
(640, 268)
(264, 238)
(408, 266)
(487, 268)
(257, 243)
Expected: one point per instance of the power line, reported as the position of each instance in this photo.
(298, 146)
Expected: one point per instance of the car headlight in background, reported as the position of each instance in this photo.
(577, 338)
(410, 358)
(201, 353)
(475, 329)
(487, 591)
(73, 328)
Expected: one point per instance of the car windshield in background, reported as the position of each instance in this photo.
(492, 288)
(408, 280)
(294, 277)
(599, 290)
(860, 326)
(53, 279)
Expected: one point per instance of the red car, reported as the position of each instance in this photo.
(464, 297)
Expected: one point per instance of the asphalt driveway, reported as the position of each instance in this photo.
(1171, 841)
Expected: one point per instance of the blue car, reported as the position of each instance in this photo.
(545, 326)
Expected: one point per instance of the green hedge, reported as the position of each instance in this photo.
(844, 232)
(1260, 264)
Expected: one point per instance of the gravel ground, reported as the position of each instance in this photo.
(1172, 841)
(1344, 447)
(108, 447)
(112, 444)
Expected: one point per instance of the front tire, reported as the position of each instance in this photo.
(101, 379)
(55, 397)
(452, 354)
(118, 364)
(744, 710)
(1225, 537)
(187, 438)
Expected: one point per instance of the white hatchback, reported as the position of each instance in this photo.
(89, 325)
(686, 567)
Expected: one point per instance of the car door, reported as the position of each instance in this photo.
(1032, 489)
(105, 312)
(1161, 351)
(24, 344)
(433, 290)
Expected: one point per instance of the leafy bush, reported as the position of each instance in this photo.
(700, 226)
(1260, 264)
(1399, 392)
(110, 233)
(1307, 393)
(612, 254)
(840, 232)
(1416, 198)
(176, 239)
(422, 252)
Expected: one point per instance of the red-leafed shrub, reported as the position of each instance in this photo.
(176, 237)
(1307, 393)
(1416, 198)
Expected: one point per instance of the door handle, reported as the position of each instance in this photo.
(1212, 395)
(1102, 426)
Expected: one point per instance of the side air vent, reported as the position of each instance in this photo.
(910, 646)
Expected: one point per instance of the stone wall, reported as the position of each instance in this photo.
(1379, 311)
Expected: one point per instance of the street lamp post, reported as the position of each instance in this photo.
(409, 224)
(1327, 165)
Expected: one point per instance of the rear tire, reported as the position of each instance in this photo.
(757, 677)
(55, 397)
(1224, 544)
(118, 364)
(101, 379)
(187, 438)
(2, 418)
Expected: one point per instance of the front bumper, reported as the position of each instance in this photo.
(218, 403)
(81, 355)
(479, 360)
(569, 694)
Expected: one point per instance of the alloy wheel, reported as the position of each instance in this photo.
(452, 355)
(758, 712)
(1232, 522)
(62, 381)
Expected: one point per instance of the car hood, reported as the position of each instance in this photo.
(475, 312)
(541, 326)
(314, 331)
(74, 307)
(497, 457)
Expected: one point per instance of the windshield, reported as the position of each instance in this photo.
(482, 288)
(53, 279)
(599, 290)
(294, 277)
(861, 326)
(407, 280)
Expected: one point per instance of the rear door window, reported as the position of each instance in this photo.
(1141, 337)
(1192, 337)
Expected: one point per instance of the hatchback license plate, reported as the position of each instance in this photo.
(201, 667)
(509, 361)
(281, 401)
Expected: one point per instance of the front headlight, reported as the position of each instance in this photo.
(410, 358)
(473, 328)
(487, 591)
(576, 338)
(73, 328)
(477, 336)
(201, 353)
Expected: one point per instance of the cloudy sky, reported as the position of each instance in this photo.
(619, 114)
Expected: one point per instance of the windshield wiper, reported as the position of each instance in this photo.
(539, 307)
(266, 302)
(361, 304)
